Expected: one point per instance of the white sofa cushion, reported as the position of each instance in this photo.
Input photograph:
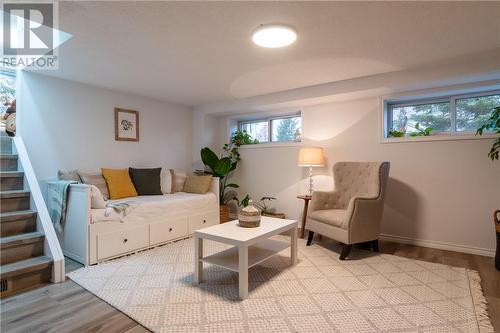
(166, 181)
(96, 198)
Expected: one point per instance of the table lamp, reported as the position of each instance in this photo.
(311, 157)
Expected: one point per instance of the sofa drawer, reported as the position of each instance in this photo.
(122, 241)
(203, 220)
(171, 229)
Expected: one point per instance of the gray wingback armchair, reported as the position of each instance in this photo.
(353, 211)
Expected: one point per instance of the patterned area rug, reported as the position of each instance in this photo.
(370, 292)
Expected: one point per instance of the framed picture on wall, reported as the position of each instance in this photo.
(126, 125)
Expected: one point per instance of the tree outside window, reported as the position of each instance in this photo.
(475, 111)
(7, 85)
(448, 114)
(287, 129)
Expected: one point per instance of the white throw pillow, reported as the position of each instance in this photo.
(166, 181)
(96, 198)
(178, 180)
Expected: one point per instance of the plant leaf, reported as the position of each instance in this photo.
(209, 158)
(245, 200)
(222, 167)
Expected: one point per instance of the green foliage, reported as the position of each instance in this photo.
(7, 85)
(474, 112)
(287, 129)
(262, 206)
(471, 113)
(434, 115)
(492, 124)
(419, 131)
(396, 134)
(245, 201)
(209, 158)
(223, 166)
(240, 138)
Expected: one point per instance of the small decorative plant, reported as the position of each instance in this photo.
(396, 134)
(492, 124)
(227, 163)
(419, 131)
(262, 206)
(240, 138)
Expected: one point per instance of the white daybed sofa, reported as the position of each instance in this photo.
(90, 235)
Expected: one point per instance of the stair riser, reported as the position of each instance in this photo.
(21, 252)
(27, 281)
(17, 227)
(11, 183)
(5, 145)
(14, 204)
(8, 164)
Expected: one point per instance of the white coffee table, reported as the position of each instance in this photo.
(251, 247)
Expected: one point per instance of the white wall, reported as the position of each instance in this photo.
(442, 193)
(68, 125)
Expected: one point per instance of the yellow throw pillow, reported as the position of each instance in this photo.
(119, 183)
(197, 184)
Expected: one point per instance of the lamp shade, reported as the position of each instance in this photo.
(312, 156)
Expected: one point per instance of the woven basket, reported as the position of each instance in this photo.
(249, 217)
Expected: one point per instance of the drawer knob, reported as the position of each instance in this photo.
(125, 240)
(170, 229)
(204, 221)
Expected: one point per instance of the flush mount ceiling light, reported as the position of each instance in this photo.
(274, 36)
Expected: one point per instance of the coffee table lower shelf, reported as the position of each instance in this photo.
(257, 253)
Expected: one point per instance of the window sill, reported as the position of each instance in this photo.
(439, 137)
(272, 145)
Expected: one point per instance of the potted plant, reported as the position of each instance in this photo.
(223, 166)
(426, 131)
(493, 125)
(262, 206)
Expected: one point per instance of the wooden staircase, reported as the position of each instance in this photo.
(23, 263)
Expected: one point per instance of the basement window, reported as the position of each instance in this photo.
(7, 85)
(276, 129)
(443, 115)
(7, 99)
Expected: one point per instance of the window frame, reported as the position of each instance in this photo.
(269, 121)
(390, 104)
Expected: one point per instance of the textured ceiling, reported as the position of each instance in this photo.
(195, 53)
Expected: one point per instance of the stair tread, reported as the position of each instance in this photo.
(26, 238)
(8, 156)
(24, 266)
(16, 215)
(14, 194)
(7, 174)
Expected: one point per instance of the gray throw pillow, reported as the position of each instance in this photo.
(146, 181)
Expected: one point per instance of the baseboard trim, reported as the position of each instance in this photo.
(439, 245)
(74, 257)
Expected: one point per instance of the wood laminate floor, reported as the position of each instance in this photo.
(67, 307)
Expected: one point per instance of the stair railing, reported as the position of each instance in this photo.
(52, 246)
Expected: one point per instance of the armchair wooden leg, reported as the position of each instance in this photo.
(375, 245)
(310, 236)
(346, 248)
